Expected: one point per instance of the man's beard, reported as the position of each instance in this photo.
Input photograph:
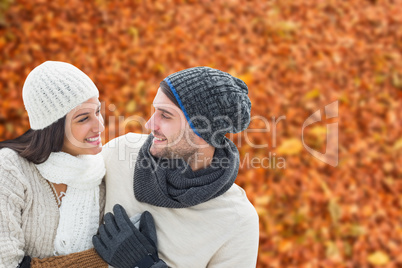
(177, 153)
(181, 150)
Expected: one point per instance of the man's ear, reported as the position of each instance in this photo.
(203, 144)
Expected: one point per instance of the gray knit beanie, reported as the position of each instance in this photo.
(214, 102)
(53, 89)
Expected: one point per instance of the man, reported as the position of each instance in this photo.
(184, 172)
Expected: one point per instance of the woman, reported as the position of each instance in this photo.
(52, 193)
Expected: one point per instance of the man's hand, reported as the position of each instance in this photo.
(122, 245)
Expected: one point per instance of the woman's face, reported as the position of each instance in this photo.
(83, 128)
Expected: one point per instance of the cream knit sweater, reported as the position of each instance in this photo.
(29, 214)
(220, 233)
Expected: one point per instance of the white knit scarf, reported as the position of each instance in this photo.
(79, 211)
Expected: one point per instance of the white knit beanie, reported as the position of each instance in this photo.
(53, 89)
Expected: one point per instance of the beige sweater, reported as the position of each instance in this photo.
(222, 232)
(29, 214)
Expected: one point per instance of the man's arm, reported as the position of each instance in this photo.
(241, 249)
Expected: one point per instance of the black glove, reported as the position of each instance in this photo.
(122, 245)
(25, 263)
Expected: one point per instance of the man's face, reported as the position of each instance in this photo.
(173, 137)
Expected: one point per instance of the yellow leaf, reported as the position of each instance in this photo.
(318, 131)
(131, 106)
(396, 80)
(356, 230)
(285, 245)
(331, 249)
(10, 127)
(133, 31)
(262, 200)
(312, 94)
(159, 67)
(378, 258)
(398, 145)
(334, 210)
(287, 26)
(290, 147)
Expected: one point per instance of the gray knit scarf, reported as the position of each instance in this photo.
(171, 183)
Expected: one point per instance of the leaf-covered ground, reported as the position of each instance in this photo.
(296, 57)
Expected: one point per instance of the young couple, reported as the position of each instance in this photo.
(185, 211)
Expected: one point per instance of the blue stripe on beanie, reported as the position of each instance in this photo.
(181, 106)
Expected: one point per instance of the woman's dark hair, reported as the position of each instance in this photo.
(168, 92)
(36, 145)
